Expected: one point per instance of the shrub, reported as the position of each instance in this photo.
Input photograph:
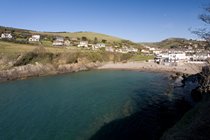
(37, 55)
(26, 59)
(72, 57)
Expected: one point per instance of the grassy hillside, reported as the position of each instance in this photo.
(23, 33)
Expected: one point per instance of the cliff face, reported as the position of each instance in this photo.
(195, 125)
(33, 70)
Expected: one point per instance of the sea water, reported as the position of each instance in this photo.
(77, 106)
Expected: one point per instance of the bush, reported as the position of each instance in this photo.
(72, 58)
(37, 55)
(94, 56)
(26, 59)
(16, 41)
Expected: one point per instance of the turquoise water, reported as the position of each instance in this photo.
(75, 106)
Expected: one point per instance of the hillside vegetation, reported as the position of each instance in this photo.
(175, 43)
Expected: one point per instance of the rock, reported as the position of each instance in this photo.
(196, 94)
(22, 72)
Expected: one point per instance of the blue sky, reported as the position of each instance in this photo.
(136, 20)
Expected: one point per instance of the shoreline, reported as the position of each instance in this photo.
(40, 70)
(185, 68)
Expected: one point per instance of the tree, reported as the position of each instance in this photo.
(104, 41)
(84, 38)
(67, 38)
(95, 40)
(204, 33)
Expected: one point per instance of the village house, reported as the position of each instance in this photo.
(171, 58)
(157, 52)
(145, 51)
(6, 36)
(109, 49)
(122, 50)
(100, 45)
(67, 42)
(150, 48)
(73, 39)
(83, 44)
(131, 49)
(199, 57)
(189, 51)
(34, 38)
(126, 49)
(59, 41)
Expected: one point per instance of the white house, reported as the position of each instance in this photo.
(150, 48)
(156, 52)
(100, 45)
(73, 39)
(171, 57)
(59, 41)
(126, 49)
(83, 44)
(34, 38)
(145, 51)
(199, 57)
(131, 49)
(122, 50)
(176, 57)
(6, 36)
(109, 49)
(67, 42)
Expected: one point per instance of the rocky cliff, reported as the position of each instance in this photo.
(195, 124)
(37, 69)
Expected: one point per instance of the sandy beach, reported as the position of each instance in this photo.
(185, 68)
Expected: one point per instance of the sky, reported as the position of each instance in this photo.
(135, 20)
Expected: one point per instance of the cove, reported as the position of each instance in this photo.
(90, 105)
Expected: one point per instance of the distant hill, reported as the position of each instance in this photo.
(175, 43)
(11, 29)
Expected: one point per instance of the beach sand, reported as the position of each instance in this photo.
(185, 68)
